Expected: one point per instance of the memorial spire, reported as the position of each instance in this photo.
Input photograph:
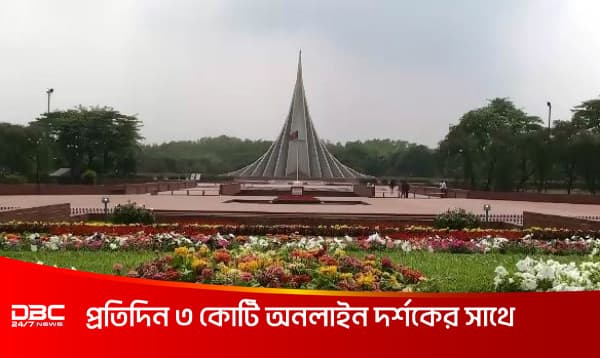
(297, 152)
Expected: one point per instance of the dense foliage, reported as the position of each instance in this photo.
(98, 139)
(132, 214)
(495, 147)
(500, 147)
(456, 219)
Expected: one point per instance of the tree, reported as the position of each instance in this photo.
(487, 140)
(587, 115)
(417, 161)
(18, 148)
(97, 138)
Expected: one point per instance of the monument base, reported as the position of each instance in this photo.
(296, 199)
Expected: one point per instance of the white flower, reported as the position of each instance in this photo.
(525, 264)
(34, 248)
(113, 246)
(406, 246)
(528, 282)
(376, 238)
(501, 271)
(563, 277)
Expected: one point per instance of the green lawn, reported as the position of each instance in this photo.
(449, 272)
(94, 261)
(446, 272)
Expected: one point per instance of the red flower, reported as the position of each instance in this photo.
(328, 260)
(411, 275)
(387, 263)
(222, 256)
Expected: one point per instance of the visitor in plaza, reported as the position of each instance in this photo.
(405, 187)
(444, 189)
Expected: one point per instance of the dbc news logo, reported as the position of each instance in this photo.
(37, 315)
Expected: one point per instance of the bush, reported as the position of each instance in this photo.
(456, 219)
(13, 179)
(89, 177)
(132, 214)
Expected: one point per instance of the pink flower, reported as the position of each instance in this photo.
(117, 268)
(206, 274)
(246, 276)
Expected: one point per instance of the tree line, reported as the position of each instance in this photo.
(91, 141)
(494, 147)
(500, 147)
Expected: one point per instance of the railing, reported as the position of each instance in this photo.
(84, 211)
(389, 194)
(423, 191)
(8, 208)
(592, 218)
(516, 219)
(193, 192)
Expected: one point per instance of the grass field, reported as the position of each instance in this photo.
(446, 272)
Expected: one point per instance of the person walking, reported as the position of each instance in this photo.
(444, 189)
(404, 189)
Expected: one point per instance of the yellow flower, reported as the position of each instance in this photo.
(365, 279)
(339, 252)
(371, 263)
(249, 266)
(221, 267)
(328, 270)
(345, 275)
(203, 250)
(181, 251)
(198, 264)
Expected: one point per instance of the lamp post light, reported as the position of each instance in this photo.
(487, 208)
(49, 91)
(105, 201)
(549, 113)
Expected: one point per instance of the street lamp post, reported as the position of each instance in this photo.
(49, 91)
(105, 201)
(549, 113)
(487, 208)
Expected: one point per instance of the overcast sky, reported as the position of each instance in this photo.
(372, 69)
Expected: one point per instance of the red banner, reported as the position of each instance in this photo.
(51, 312)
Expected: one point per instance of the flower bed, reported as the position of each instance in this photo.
(325, 268)
(454, 242)
(394, 232)
(549, 275)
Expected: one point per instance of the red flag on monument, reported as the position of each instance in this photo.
(294, 135)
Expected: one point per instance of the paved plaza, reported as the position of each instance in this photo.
(215, 203)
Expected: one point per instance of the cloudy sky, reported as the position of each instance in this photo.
(372, 69)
